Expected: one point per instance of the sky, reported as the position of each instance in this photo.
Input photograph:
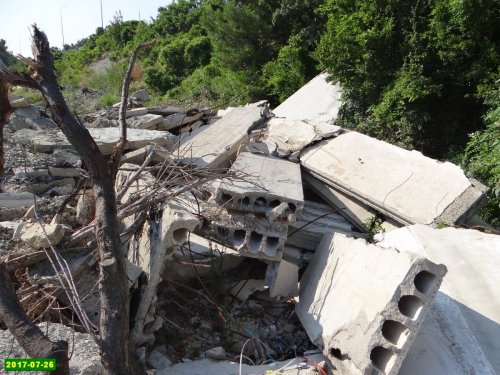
(80, 18)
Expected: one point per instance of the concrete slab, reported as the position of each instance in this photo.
(147, 121)
(283, 279)
(17, 200)
(106, 139)
(404, 185)
(267, 183)
(216, 146)
(317, 219)
(466, 324)
(252, 236)
(318, 101)
(364, 304)
(179, 119)
(290, 136)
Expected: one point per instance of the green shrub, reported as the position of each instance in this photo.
(108, 100)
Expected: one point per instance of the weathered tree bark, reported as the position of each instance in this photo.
(27, 333)
(5, 112)
(113, 283)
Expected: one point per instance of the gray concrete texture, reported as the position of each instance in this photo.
(217, 146)
(318, 101)
(460, 336)
(364, 305)
(252, 236)
(317, 219)
(405, 185)
(266, 183)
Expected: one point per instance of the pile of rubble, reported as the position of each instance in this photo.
(246, 239)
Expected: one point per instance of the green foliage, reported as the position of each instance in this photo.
(5, 55)
(482, 155)
(411, 69)
(108, 100)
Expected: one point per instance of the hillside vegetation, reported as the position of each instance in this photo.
(423, 75)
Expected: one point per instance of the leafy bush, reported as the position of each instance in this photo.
(108, 100)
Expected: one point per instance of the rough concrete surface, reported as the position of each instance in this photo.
(318, 100)
(218, 144)
(405, 185)
(469, 311)
(364, 304)
(267, 182)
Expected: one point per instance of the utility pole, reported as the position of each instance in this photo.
(102, 19)
(62, 28)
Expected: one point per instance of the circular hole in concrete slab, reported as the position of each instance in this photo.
(222, 233)
(274, 203)
(292, 207)
(255, 242)
(180, 236)
(272, 244)
(424, 281)
(395, 332)
(225, 198)
(239, 237)
(260, 202)
(410, 306)
(383, 359)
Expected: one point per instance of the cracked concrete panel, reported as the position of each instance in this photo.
(290, 136)
(268, 182)
(364, 304)
(469, 310)
(318, 101)
(405, 185)
(217, 145)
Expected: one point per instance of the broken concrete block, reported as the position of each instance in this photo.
(138, 156)
(157, 243)
(217, 353)
(140, 95)
(147, 121)
(165, 111)
(136, 112)
(317, 219)
(35, 236)
(206, 254)
(404, 185)
(267, 183)
(252, 236)
(64, 172)
(283, 279)
(30, 118)
(105, 138)
(158, 360)
(318, 101)
(218, 144)
(461, 336)
(291, 136)
(364, 305)
(20, 103)
(176, 120)
(16, 200)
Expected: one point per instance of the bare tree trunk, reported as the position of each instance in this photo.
(5, 112)
(113, 283)
(27, 333)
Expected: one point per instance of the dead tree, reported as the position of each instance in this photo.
(113, 338)
(5, 111)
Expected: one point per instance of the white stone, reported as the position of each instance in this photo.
(146, 121)
(20, 103)
(158, 360)
(461, 336)
(136, 112)
(16, 200)
(364, 304)
(141, 95)
(37, 238)
(217, 353)
(216, 146)
(64, 172)
(318, 100)
(405, 185)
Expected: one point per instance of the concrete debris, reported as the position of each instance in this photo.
(20, 103)
(38, 237)
(317, 101)
(317, 220)
(461, 334)
(217, 146)
(218, 264)
(354, 164)
(363, 304)
(268, 183)
(251, 235)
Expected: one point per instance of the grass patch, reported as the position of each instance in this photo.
(108, 99)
